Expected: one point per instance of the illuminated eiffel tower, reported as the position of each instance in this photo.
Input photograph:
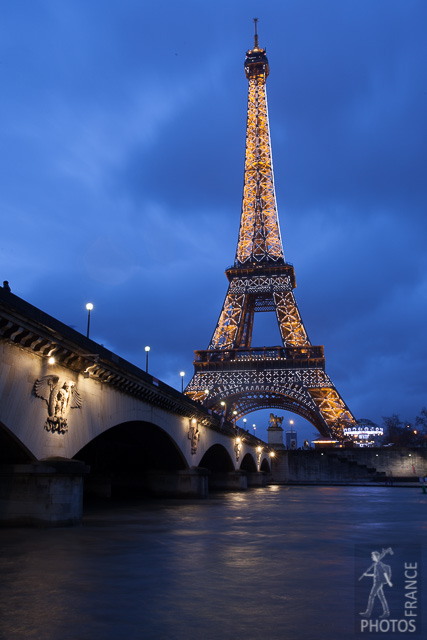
(231, 376)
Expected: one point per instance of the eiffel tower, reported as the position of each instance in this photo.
(231, 376)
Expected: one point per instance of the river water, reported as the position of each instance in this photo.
(273, 562)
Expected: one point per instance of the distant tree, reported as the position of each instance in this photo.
(402, 434)
(393, 429)
(421, 421)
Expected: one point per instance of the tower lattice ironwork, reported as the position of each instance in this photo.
(231, 376)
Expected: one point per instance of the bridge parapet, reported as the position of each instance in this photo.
(33, 330)
(23, 324)
(92, 405)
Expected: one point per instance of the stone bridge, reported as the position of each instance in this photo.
(70, 408)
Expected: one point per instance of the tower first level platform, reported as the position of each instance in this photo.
(235, 378)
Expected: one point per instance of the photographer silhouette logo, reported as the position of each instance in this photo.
(381, 574)
(392, 606)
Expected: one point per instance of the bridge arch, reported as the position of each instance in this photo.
(246, 399)
(265, 466)
(248, 463)
(12, 450)
(132, 447)
(217, 459)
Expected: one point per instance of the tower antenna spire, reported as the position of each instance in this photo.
(256, 47)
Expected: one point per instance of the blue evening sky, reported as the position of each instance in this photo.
(122, 132)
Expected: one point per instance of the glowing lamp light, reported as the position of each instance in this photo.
(259, 449)
(51, 360)
(272, 454)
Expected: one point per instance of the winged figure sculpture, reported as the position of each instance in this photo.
(60, 396)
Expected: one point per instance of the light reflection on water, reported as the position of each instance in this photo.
(271, 562)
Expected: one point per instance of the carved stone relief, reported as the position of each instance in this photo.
(60, 396)
(194, 436)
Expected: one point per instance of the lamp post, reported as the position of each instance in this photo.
(223, 404)
(254, 427)
(291, 422)
(271, 454)
(89, 308)
(206, 398)
(147, 351)
(244, 423)
(182, 374)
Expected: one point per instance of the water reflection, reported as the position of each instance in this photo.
(273, 562)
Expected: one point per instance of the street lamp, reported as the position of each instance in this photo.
(182, 374)
(234, 417)
(244, 423)
(147, 351)
(223, 404)
(291, 422)
(89, 308)
(254, 427)
(272, 455)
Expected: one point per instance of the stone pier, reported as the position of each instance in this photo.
(230, 481)
(256, 478)
(187, 483)
(42, 494)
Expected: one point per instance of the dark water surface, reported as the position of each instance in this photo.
(272, 562)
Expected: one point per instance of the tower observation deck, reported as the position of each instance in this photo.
(231, 375)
